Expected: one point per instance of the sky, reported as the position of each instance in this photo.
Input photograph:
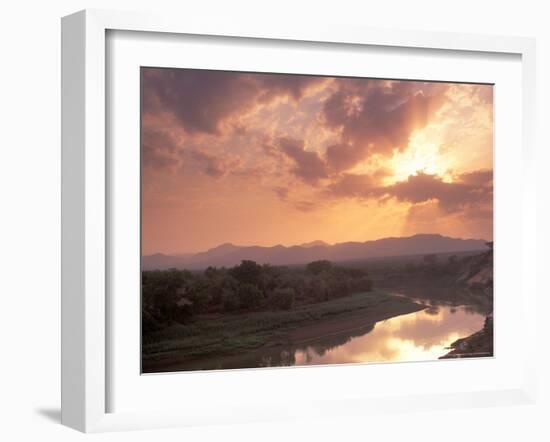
(267, 159)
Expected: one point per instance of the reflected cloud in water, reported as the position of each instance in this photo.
(423, 335)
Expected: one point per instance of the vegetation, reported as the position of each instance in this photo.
(479, 344)
(191, 319)
(178, 296)
(226, 334)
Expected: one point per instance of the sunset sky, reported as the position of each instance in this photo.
(266, 159)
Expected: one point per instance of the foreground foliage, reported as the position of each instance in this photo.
(228, 333)
(178, 296)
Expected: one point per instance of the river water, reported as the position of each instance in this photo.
(419, 336)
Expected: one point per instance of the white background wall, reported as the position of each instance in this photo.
(30, 215)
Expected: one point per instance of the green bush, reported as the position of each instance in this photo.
(176, 296)
(250, 296)
(317, 267)
(282, 298)
(247, 272)
(230, 300)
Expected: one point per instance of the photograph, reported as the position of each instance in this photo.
(308, 220)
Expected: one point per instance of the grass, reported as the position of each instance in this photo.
(232, 333)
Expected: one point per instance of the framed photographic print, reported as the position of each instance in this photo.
(284, 160)
(252, 209)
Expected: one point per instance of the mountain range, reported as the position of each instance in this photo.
(229, 254)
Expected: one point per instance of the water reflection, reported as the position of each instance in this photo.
(423, 335)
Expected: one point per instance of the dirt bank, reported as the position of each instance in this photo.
(352, 321)
(480, 344)
(239, 337)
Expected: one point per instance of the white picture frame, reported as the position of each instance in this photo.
(86, 203)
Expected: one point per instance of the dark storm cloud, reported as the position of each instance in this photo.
(158, 148)
(199, 100)
(208, 164)
(352, 185)
(472, 189)
(375, 117)
(293, 85)
(308, 165)
(453, 196)
(482, 177)
(344, 156)
(202, 100)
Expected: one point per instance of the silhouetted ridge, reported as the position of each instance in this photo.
(230, 254)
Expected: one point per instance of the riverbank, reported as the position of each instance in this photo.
(180, 345)
(479, 344)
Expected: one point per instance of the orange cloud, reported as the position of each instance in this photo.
(285, 158)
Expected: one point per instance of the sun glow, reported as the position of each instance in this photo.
(212, 149)
(422, 155)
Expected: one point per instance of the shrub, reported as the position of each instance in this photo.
(230, 300)
(148, 322)
(282, 298)
(318, 290)
(200, 296)
(317, 267)
(250, 296)
(247, 272)
(363, 284)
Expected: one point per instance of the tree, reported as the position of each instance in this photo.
(230, 300)
(282, 298)
(318, 290)
(317, 267)
(211, 272)
(363, 284)
(249, 295)
(247, 272)
(200, 294)
(175, 295)
(148, 322)
(354, 272)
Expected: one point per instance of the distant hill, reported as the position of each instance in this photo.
(314, 244)
(229, 254)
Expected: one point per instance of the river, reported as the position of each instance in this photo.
(419, 336)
